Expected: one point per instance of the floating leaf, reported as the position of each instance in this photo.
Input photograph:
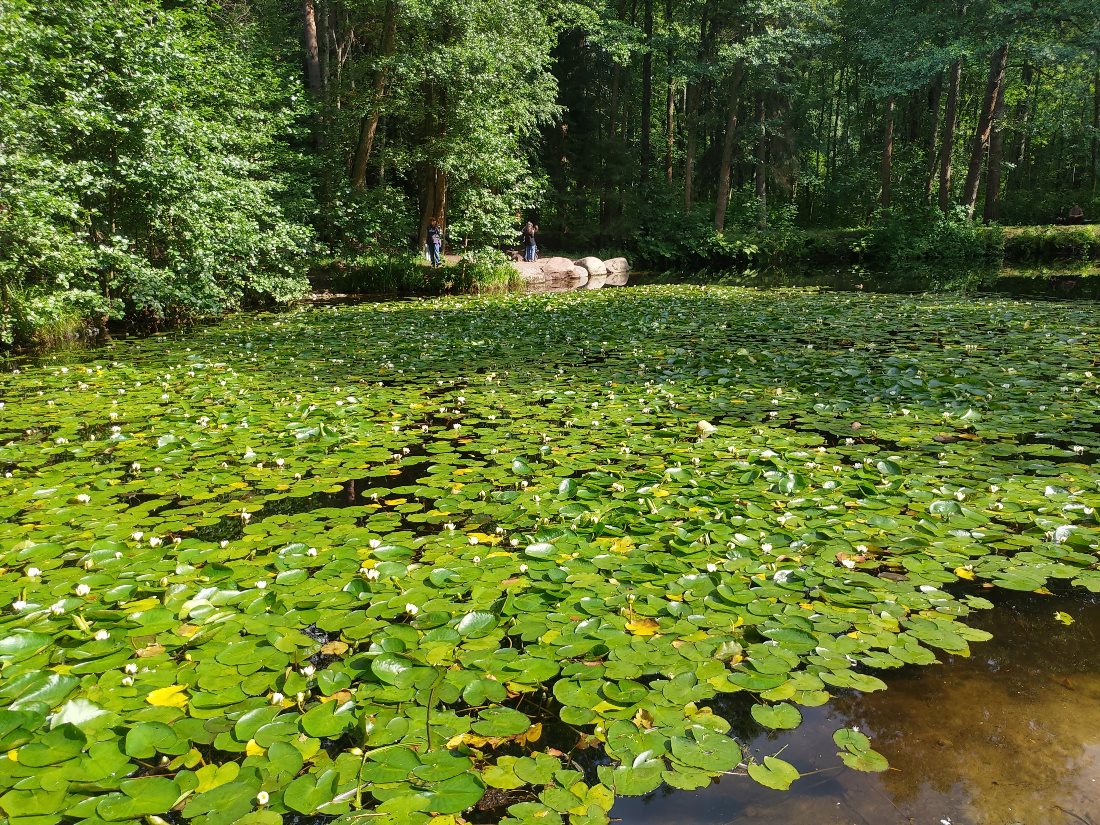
(774, 773)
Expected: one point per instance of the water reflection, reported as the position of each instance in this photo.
(1010, 736)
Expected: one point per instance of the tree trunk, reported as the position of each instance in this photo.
(725, 169)
(888, 151)
(369, 125)
(670, 131)
(992, 211)
(312, 48)
(1095, 154)
(690, 146)
(934, 95)
(950, 123)
(647, 93)
(997, 63)
(761, 175)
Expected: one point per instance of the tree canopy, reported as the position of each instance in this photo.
(165, 160)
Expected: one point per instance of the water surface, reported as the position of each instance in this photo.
(1008, 736)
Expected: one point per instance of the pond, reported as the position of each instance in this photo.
(521, 558)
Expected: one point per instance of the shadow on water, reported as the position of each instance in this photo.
(1007, 736)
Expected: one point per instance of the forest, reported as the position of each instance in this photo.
(164, 161)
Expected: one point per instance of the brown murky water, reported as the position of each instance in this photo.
(1008, 736)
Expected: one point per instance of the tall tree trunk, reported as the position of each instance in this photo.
(1095, 153)
(888, 151)
(312, 48)
(997, 64)
(934, 95)
(670, 104)
(992, 211)
(368, 127)
(950, 124)
(690, 142)
(647, 93)
(611, 142)
(761, 175)
(670, 131)
(728, 142)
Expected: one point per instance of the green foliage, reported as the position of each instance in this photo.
(1048, 243)
(902, 235)
(144, 161)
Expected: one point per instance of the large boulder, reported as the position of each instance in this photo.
(617, 266)
(531, 272)
(593, 265)
(580, 276)
(557, 269)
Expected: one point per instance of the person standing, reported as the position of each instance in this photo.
(435, 242)
(530, 249)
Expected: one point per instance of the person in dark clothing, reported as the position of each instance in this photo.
(435, 242)
(530, 249)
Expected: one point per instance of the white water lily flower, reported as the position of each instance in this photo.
(223, 543)
(58, 608)
(767, 548)
(33, 572)
(472, 539)
(781, 576)
(245, 515)
(372, 574)
(514, 542)
(1078, 449)
(261, 584)
(83, 589)
(154, 541)
(927, 588)
(18, 605)
(449, 526)
(83, 498)
(523, 568)
(712, 568)
(849, 564)
(311, 552)
(411, 609)
(127, 681)
(277, 698)
(102, 635)
(1061, 534)
(131, 668)
(375, 544)
(262, 798)
(308, 671)
(477, 559)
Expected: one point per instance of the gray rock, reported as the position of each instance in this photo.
(557, 269)
(594, 265)
(617, 266)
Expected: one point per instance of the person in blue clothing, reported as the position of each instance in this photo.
(435, 242)
(530, 249)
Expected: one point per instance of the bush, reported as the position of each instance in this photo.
(40, 319)
(145, 159)
(926, 234)
(1044, 243)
